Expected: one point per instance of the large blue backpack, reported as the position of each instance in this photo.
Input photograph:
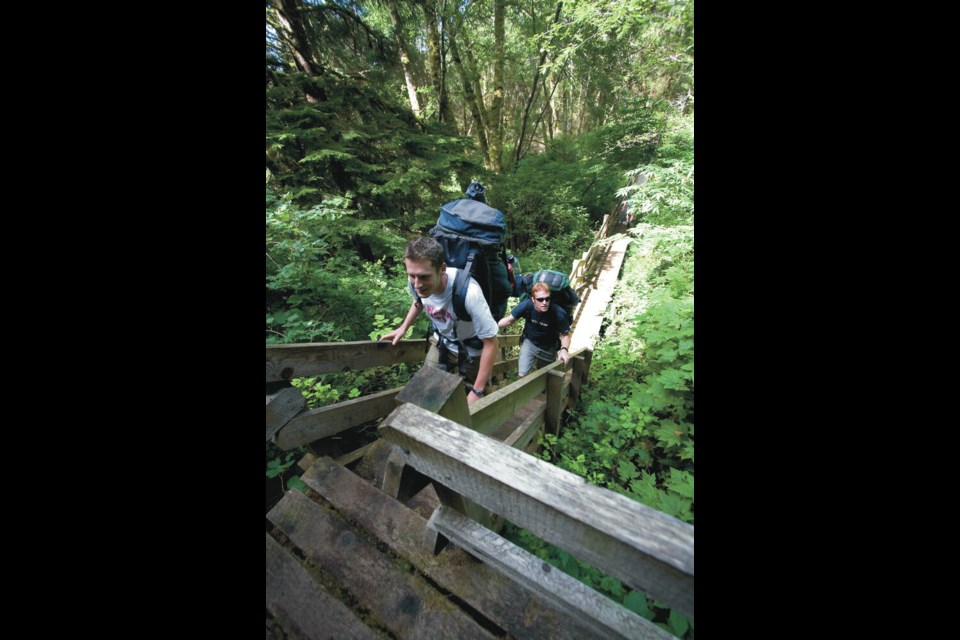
(471, 233)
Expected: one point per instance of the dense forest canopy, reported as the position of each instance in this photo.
(378, 112)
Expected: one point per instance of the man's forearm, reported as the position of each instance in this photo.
(487, 357)
(411, 316)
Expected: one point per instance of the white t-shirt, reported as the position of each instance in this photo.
(440, 308)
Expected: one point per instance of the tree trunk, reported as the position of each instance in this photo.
(495, 127)
(404, 57)
(533, 93)
(294, 35)
(444, 112)
(471, 68)
(546, 110)
(469, 97)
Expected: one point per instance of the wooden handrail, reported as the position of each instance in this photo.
(295, 426)
(644, 548)
(286, 361)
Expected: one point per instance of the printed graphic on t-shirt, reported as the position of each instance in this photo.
(439, 313)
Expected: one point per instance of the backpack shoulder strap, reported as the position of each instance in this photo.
(415, 295)
(460, 284)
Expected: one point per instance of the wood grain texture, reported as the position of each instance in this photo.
(645, 548)
(511, 607)
(491, 411)
(555, 401)
(505, 340)
(332, 419)
(430, 388)
(606, 616)
(304, 608)
(438, 392)
(307, 460)
(576, 381)
(404, 602)
(285, 361)
(587, 359)
(281, 407)
(524, 433)
(505, 366)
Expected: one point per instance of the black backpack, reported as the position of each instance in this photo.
(471, 233)
(560, 290)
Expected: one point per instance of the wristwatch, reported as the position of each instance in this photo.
(479, 393)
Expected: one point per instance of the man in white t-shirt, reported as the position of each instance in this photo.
(431, 284)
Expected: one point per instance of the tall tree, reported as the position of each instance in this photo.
(533, 90)
(496, 105)
(404, 56)
(463, 36)
(470, 98)
(436, 63)
(293, 34)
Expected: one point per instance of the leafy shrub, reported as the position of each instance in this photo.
(666, 198)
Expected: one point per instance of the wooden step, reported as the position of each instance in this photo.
(404, 602)
(501, 600)
(304, 608)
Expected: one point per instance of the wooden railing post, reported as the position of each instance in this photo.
(579, 365)
(282, 406)
(554, 400)
(587, 359)
(438, 392)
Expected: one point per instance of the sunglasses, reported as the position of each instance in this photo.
(542, 299)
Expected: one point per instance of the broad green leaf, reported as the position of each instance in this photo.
(679, 623)
(627, 470)
(637, 602)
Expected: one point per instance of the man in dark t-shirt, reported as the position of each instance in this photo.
(543, 323)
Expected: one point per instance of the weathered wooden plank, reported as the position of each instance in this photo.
(508, 340)
(285, 361)
(641, 546)
(400, 481)
(332, 419)
(587, 359)
(302, 606)
(524, 433)
(281, 407)
(505, 366)
(489, 412)
(403, 601)
(507, 604)
(437, 392)
(606, 616)
(307, 460)
(576, 382)
(510, 425)
(554, 401)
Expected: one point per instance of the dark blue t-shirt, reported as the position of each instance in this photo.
(542, 328)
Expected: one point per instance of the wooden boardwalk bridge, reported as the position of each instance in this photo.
(399, 538)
